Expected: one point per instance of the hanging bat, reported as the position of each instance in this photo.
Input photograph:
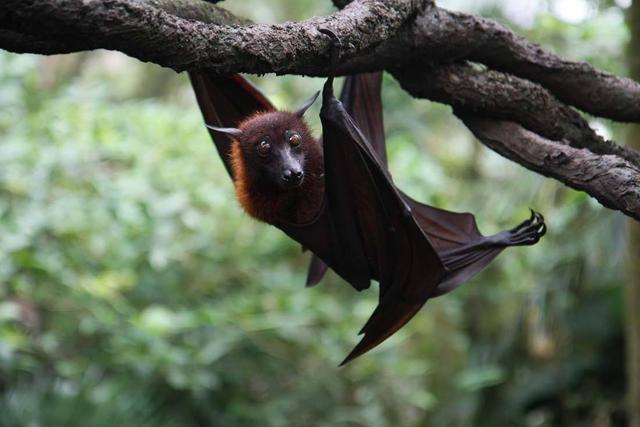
(335, 197)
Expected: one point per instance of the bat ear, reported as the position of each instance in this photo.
(300, 111)
(233, 132)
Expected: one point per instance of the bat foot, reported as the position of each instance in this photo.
(336, 48)
(528, 232)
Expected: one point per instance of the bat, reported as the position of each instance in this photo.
(336, 198)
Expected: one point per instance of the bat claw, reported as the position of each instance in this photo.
(336, 48)
(528, 232)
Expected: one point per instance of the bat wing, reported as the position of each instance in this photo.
(361, 100)
(461, 246)
(366, 229)
(455, 236)
(360, 97)
(370, 230)
(225, 102)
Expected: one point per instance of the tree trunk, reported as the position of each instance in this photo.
(632, 294)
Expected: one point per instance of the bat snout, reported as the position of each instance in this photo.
(292, 177)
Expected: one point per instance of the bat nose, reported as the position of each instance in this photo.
(293, 176)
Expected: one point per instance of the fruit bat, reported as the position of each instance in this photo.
(336, 198)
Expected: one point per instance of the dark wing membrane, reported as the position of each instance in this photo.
(461, 246)
(459, 243)
(225, 102)
(455, 236)
(367, 228)
(373, 223)
(317, 270)
(360, 97)
(373, 231)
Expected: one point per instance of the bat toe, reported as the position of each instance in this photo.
(529, 231)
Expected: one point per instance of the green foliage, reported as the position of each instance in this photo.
(134, 291)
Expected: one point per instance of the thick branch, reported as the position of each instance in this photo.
(579, 84)
(25, 43)
(614, 182)
(151, 34)
(199, 10)
(375, 34)
(439, 36)
(501, 96)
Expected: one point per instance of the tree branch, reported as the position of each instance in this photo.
(501, 96)
(439, 36)
(457, 35)
(614, 182)
(25, 43)
(199, 10)
(143, 31)
(375, 34)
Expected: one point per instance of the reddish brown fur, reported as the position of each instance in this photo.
(267, 202)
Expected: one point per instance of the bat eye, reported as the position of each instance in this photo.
(264, 147)
(295, 140)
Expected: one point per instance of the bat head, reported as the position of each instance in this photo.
(278, 167)
(275, 147)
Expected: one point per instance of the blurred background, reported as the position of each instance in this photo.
(135, 292)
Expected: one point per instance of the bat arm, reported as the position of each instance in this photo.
(526, 233)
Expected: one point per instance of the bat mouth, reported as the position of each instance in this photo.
(291, 183)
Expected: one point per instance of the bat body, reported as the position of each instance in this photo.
(351, 215)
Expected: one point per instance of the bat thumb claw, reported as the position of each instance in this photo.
(336, 48)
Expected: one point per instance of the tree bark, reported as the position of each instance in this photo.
(578, 168)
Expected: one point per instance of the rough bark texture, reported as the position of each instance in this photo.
(632, 286)
(434, 53)
(610, 179)
(502, 96)
(577, 84)
(145, 31)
